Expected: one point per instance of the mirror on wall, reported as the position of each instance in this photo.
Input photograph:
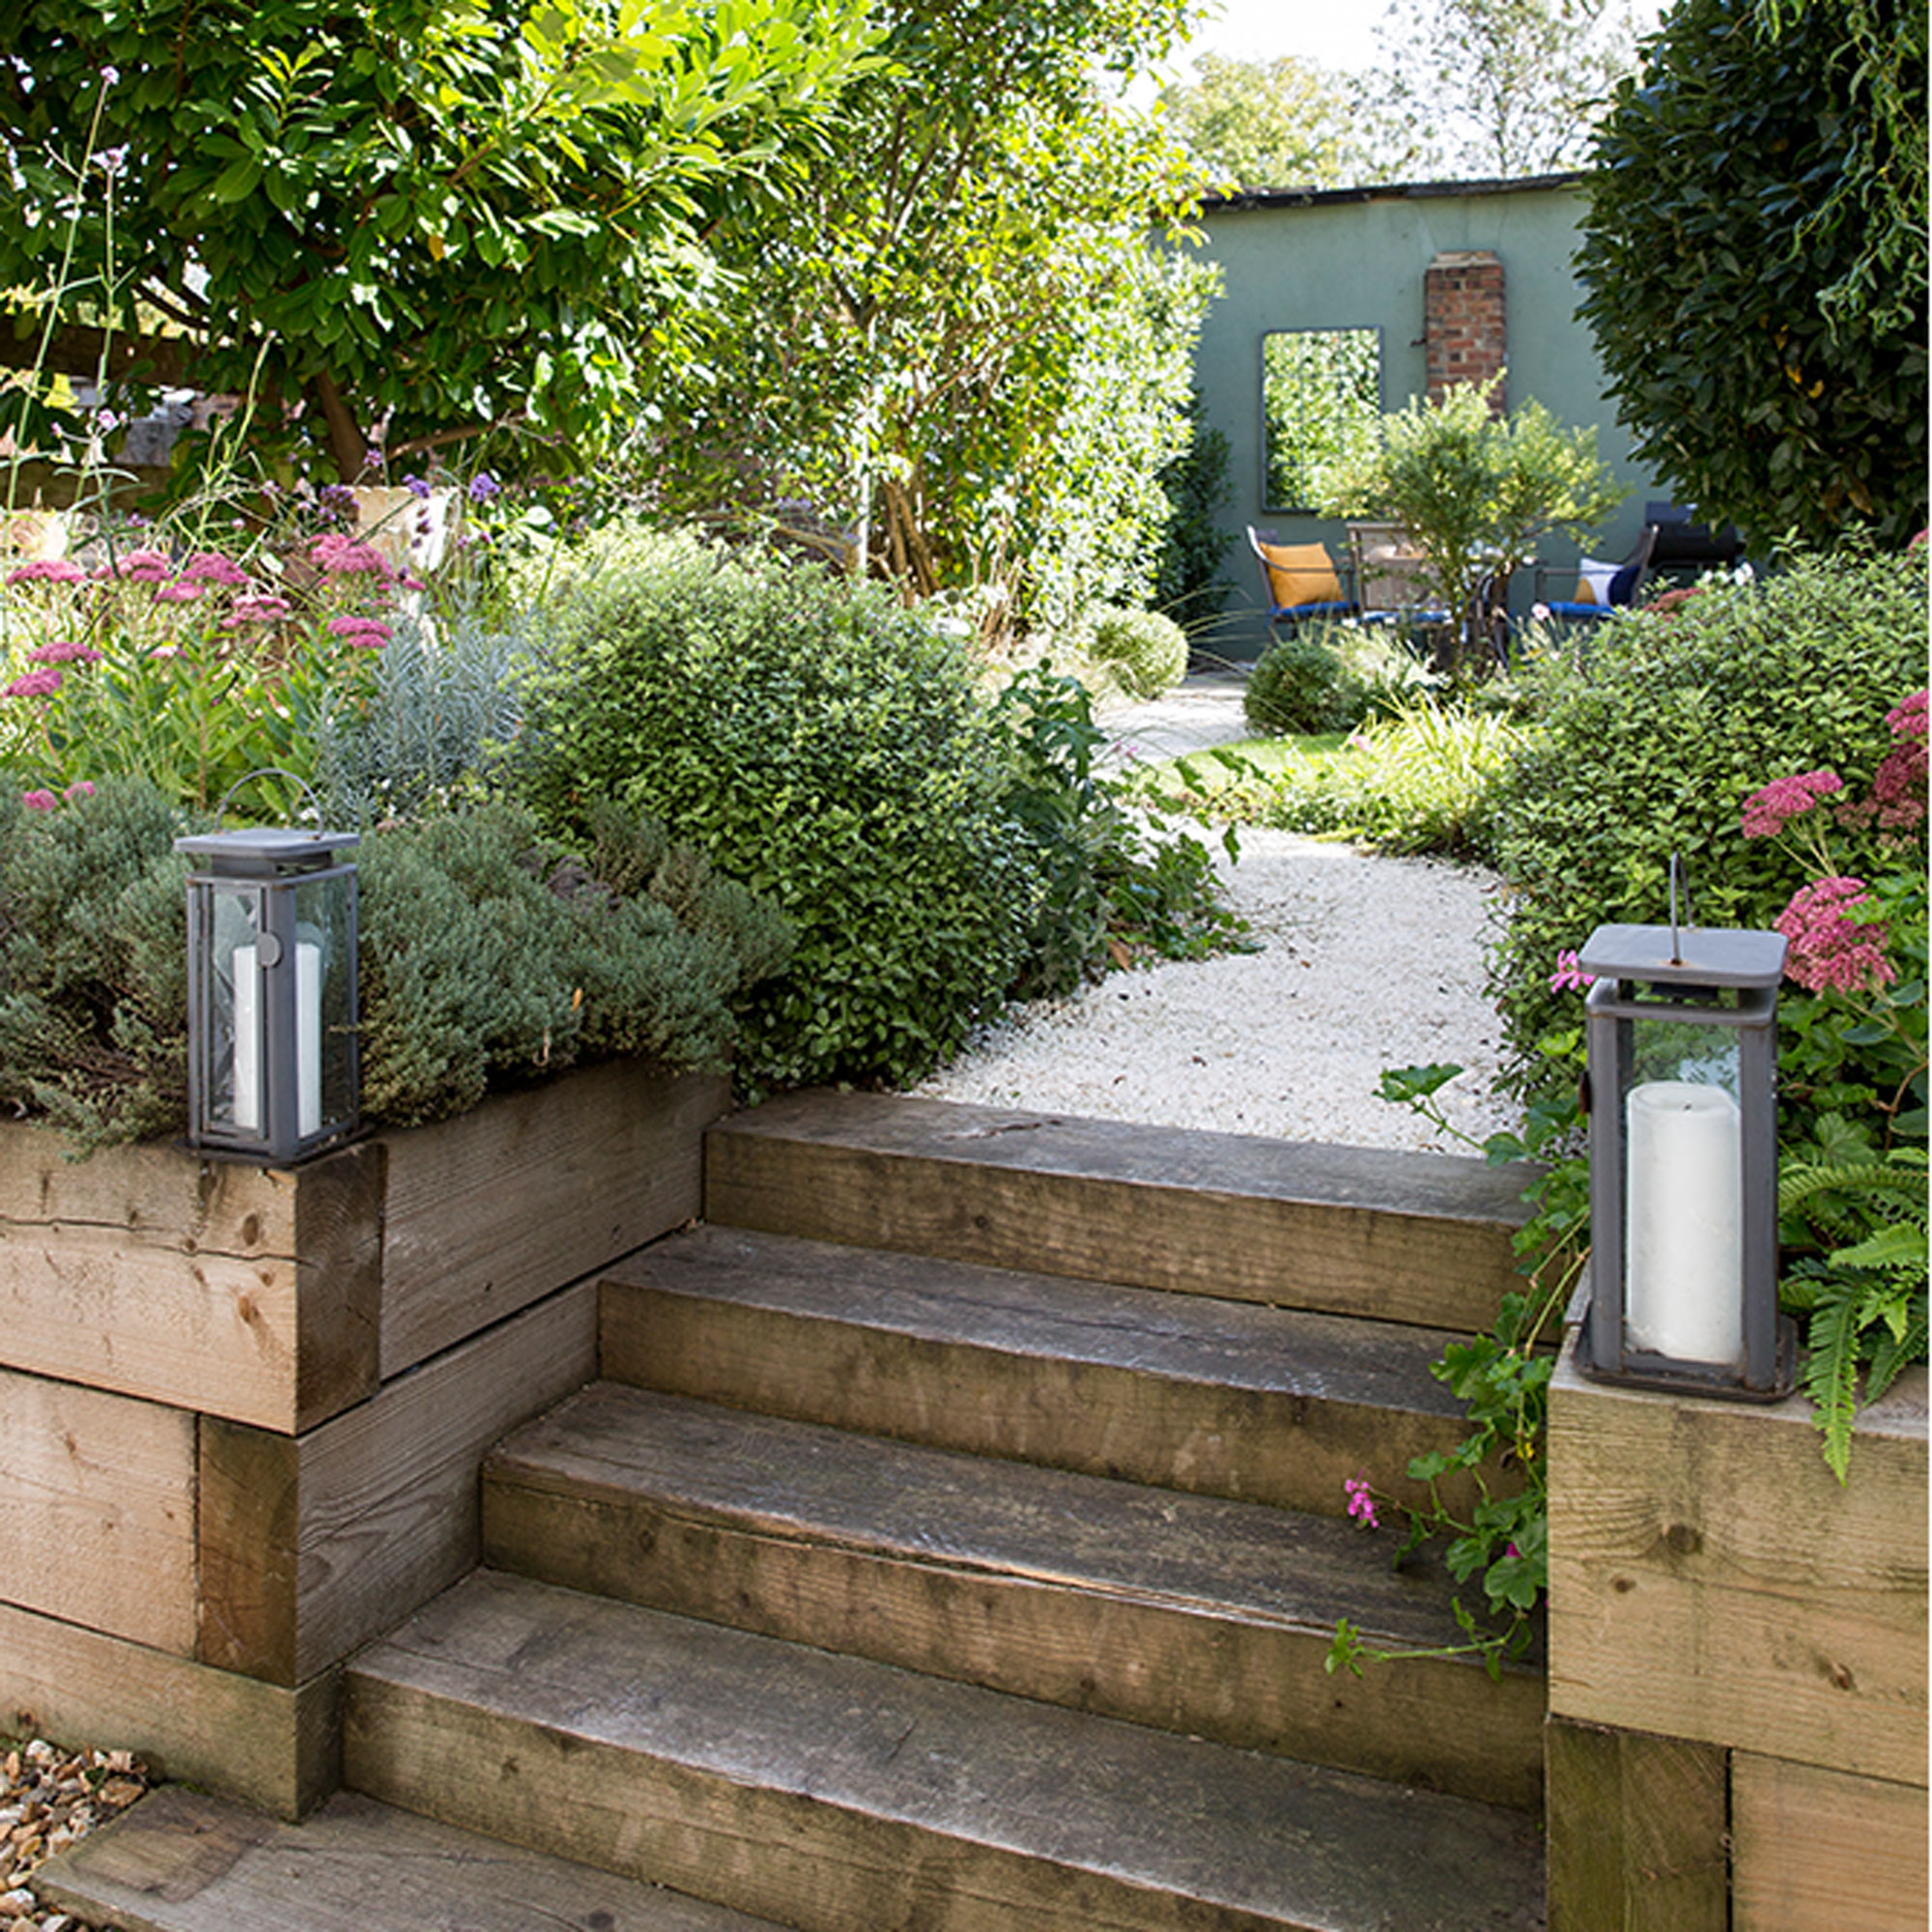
(1321, 397)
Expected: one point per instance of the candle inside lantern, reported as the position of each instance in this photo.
(249, 1098)
(1684, 1293)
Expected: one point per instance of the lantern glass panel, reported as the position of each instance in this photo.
(324, 1001)
(1683, 1147)
(236, 1043)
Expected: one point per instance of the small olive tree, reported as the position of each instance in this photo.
(1476, 491)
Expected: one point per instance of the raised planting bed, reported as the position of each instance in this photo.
(1737, 1664)
(241, 1410)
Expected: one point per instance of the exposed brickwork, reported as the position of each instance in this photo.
(1464, 321)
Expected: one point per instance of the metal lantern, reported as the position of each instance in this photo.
(1683, 1049)
(272, 1074)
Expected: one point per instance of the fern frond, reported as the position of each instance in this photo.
(1831, 1378)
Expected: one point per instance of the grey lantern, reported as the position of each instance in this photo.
(1683, 1054)
(273, 1072)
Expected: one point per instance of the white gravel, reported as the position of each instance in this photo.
(1367, 962)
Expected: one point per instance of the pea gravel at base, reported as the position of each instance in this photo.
(1366, 962)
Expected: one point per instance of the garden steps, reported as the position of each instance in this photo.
(1189, 1392)
(1408, 1238)
(877, 1588)
(840, 1795)
(1192, 1613)
(181, 1861)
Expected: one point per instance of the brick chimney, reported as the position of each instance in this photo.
(1464, 320)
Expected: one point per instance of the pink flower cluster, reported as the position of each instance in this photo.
(360, 634)
(45, 801)
(65, 650)
(1831, 949)
(1570, 977)
(1362, 1502)
(35, 684)
(47, 570)
(1769, 812)
(337, 553)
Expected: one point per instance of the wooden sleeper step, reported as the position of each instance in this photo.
(1222, 1398)
(1411, 1238)
(1204, 1616)
(843, 1796)
(183, 1862)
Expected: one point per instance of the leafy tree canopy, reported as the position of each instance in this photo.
(1496, 88)
(1258, 123)
(438, 216)
(909, 338)
(1754, 256)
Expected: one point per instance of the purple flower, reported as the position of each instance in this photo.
(1362, 1502)
(483, 487)
(1832, 947)
(416, 485)
(35, 684)
(38, 800)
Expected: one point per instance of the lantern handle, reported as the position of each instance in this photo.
(272, 772)
(1678, 881)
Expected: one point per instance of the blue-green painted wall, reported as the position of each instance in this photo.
(1357, 261)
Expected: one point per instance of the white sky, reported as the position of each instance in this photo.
(1339, 35)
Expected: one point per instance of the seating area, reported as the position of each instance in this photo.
(1602, 589)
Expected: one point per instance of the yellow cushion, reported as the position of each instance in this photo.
(1300, 574)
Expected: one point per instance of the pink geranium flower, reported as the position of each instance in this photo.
(1362, 1502)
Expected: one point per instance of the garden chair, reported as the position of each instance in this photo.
(1392, 577)
(1301, 580)
(1602, 589)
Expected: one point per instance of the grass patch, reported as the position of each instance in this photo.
(1418, 781)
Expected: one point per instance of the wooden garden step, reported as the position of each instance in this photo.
(1222, 1398)
(1204, 1616)
(840, 1795)
(183, 1862)
(1411, 1238)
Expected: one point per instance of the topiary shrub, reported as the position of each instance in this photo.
(487, 954)
(818, 741)
(1144, 653)
(1652, 747)
(1300, 684)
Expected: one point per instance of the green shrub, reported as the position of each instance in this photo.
(1145, 652)
(822, 745)
(1301, 686)
(487, 954)
(1652, 746)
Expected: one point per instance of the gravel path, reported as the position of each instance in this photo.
(1366, 962)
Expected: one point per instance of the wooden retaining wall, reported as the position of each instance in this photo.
(241, 1410)
(1737, 1738)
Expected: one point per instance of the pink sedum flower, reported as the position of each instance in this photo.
(1908, 720)
(337, 553)
(38, 800)
(140, 566)
(35, 684)
(212, 567)
(360, 634)
(264, 607)
(177, 593)
(1832, 951)
(65, 650)
(47, 570)
(1769, 812)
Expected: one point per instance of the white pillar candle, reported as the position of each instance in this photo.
(248, 1107)
(1684, 1250)
(246, 1110)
